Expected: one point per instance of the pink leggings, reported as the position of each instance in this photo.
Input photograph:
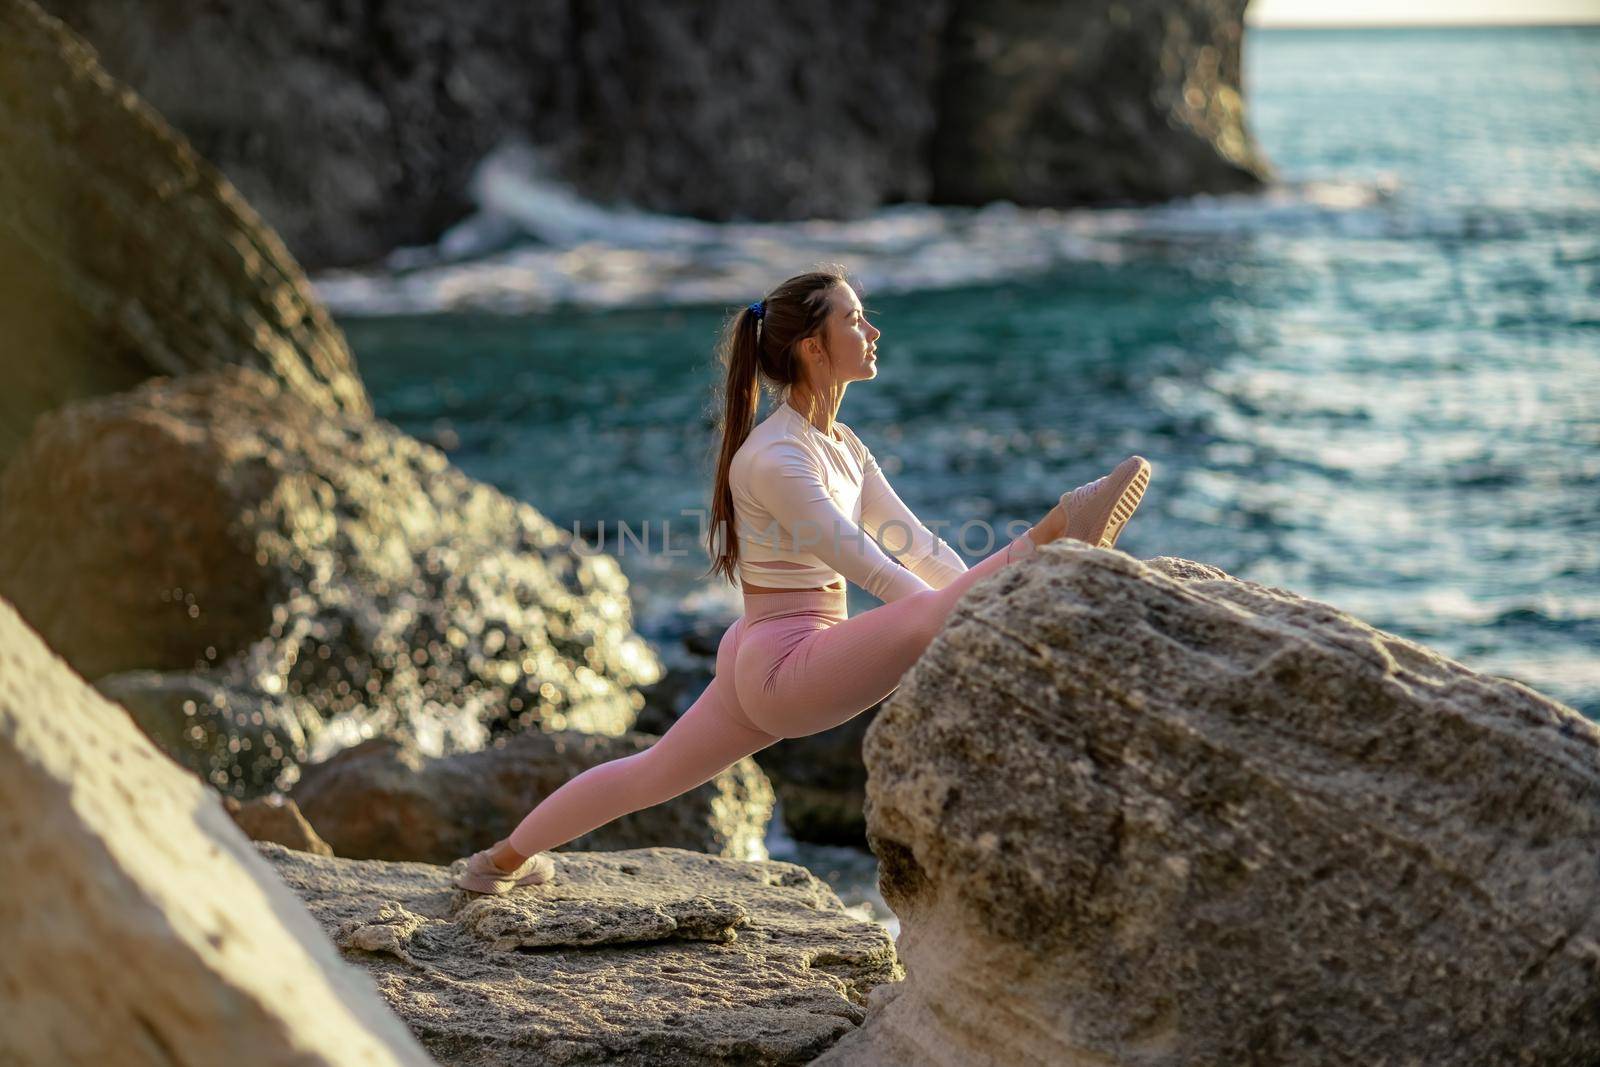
(792, 665)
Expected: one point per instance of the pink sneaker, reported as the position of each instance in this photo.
(482, 876)
(1097, 512)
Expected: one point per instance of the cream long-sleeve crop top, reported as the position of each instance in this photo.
(807, 507)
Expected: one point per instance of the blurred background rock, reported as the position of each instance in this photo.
(355, 128)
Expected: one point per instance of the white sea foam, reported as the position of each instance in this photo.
(536, 244)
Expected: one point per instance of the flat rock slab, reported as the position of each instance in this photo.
(645, 956)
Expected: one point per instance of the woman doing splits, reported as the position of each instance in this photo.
(806, 500)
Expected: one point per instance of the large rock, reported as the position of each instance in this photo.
(312, 579)
(277, 820)
(1148, 814)
(124, 255)
(355, 128)
(647, 957)
(139, 924)
(1056, 104)
(382, 800)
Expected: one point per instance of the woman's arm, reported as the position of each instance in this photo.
(885, 516)
(785, 479)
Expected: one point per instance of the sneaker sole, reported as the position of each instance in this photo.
(1134, 473)
(1126, 504)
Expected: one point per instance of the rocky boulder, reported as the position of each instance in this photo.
(273, 818)
(382, 800)
(123, 254)
(644, 957)
(1148, 814)
(312, 579)
(140, 924)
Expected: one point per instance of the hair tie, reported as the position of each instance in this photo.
(759, 309)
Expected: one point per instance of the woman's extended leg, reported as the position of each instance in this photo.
(835, 673)
(708, 738)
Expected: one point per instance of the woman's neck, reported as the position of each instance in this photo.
(820, 413)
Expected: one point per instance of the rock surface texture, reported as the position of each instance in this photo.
(282, 582)
(1149, 814)
(123, 254)
(638, 958)
(355, 128)
(140, 926)
(382, 800)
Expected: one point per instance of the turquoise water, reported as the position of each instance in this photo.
(1378, 386)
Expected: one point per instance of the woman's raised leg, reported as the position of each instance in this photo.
(836, 673)
(711, 736)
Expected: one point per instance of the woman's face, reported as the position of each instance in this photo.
(849, 340)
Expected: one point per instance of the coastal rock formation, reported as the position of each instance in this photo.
(356, 128)
(313, 579)
(648, 956)
(1149, 814)
(123, 254)
(278, 820)
(382, 800)
(140, 925)
(1060, 104)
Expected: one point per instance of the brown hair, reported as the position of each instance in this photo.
(757, 350)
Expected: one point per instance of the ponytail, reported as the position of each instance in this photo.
(741, 388)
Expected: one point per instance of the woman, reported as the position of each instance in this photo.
(805, 498)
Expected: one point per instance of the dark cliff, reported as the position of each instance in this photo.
(355, 127)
